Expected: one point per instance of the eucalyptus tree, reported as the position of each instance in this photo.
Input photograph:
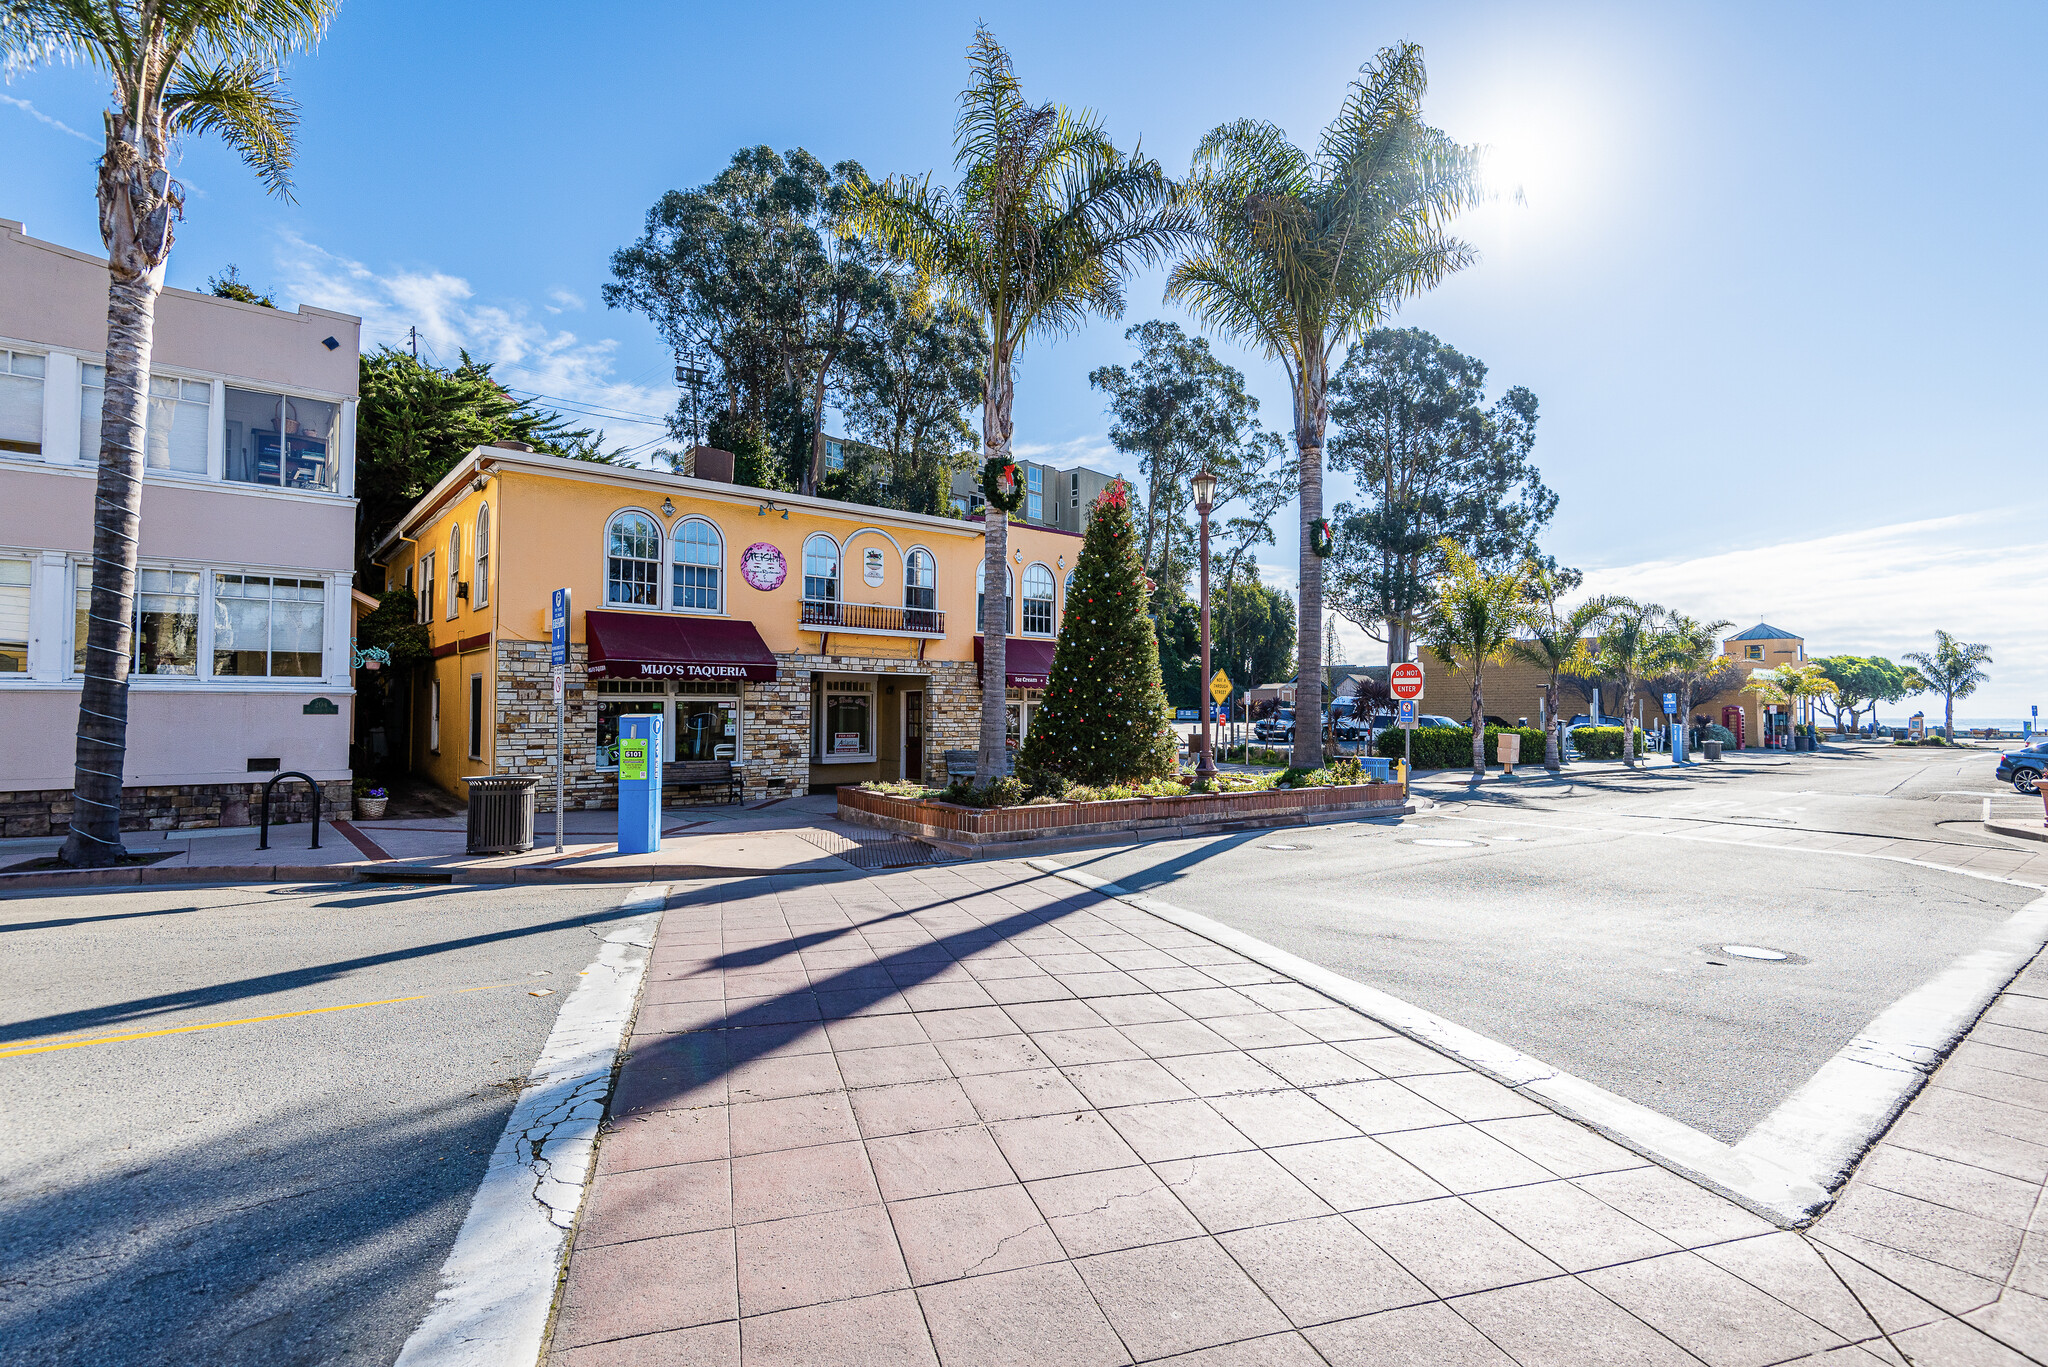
(194, 68)
(1555, 641)
(1179, 410)
(1628, 651)
(1952, 670)
(1433, 459)
(912, 379)
(1302, 252)
(1471, 622)
(1046, 221)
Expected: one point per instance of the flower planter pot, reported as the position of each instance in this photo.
(371, 808)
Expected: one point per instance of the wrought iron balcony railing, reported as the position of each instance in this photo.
(824, 614)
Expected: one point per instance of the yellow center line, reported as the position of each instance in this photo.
(44, 1048)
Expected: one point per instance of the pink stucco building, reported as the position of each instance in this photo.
(241, 666)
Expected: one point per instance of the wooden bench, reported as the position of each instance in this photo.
(703, 773)
(960, 763)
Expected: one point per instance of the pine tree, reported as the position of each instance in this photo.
(1104, 719)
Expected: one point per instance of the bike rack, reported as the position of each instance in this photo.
(263, 843)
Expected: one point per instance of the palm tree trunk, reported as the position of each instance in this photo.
(995, 616)
(1628, 721)
(95, 838)
(1478, 725)
(1553, 753)
(1311, 413)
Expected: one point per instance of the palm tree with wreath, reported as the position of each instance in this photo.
(1047, 220)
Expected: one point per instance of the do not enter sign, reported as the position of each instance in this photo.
(1405, 681)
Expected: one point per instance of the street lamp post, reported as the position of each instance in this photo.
(1205, 501)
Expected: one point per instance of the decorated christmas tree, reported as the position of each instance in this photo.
(1104, 719)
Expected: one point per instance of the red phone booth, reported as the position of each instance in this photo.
(1736, 720)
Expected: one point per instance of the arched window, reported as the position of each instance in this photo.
(1009, 599)
(821, 570)
(700, 562)
(1038, 593)
(633, 561)
(480, 591)
(454, 566)
(920, 590)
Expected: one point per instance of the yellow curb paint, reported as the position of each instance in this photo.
(217, 1025)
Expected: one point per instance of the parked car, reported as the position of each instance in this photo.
(1583, 720)
(2023, 768)
(1279, 726)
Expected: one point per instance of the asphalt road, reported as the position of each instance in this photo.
(1558, 930)
(278, 1193)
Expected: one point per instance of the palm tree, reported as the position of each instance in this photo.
(1047, 220)
(1302, 253)
(1628, 651)
(1557, 643)
(1952, 671)
(198, 66)
(1470, 622)
(1690, 651)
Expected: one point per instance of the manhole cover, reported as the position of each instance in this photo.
(1764, 954)
(1286, 847)
(1436, 844)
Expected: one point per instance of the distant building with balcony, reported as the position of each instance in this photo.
(1053, 497)
(808, 641)
(241, 664)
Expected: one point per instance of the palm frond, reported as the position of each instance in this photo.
(247, 105)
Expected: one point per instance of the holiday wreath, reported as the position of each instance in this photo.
(1002, 484)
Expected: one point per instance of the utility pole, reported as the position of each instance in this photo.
(412, 341)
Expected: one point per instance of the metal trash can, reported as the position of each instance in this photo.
(500, 814)
(1713, 749)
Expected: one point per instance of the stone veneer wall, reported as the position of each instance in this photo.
(775, 722)
(174, 807)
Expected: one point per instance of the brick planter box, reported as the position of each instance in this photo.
(982, 827)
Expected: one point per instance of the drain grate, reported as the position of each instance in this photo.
(891, 854)
(1763, 954)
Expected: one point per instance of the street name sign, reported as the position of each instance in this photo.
(1404, 681)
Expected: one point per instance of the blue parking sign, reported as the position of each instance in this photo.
(1670, 704)
(558, 630)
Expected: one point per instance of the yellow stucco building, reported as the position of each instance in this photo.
(807, 641)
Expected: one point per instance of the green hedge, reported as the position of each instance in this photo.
(1450, 747)
(1605, 742)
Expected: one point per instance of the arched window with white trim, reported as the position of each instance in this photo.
(699, 567)
(1038, 592)
(480, 590)
(821, 569)
(454, 568)
(632, 574)
(1009, 599)
(920, 590)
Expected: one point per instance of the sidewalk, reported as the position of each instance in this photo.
(976, 1115)
(793, 835)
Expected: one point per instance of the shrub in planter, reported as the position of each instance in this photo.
(1450, 747)
(997, 792)
(1714, 731)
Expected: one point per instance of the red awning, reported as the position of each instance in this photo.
(644, 645)
(1027, 662)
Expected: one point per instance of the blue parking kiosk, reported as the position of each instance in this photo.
(640, 783)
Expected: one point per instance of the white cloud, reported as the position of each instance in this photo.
(1882, 591)
(566, 301)
(41, 117)
(571, 373)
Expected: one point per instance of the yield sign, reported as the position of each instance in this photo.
(1405, 681)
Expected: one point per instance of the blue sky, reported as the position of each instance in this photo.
(1776, 281)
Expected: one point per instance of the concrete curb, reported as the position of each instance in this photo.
(1027, 851)
(388, 873)
(1757, 1183)
(2016, 829)
(498, 1284)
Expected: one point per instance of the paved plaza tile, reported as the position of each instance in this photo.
(975, 1115)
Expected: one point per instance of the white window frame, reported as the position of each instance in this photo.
(60, 645)
(931, 575)
(454, 569)
(672, 693)
(1051, 601)
(1009, 598)
(659, 561)
(425, 589)
(838, 575)
(434, 716)
(676, 565)
(480, 585)
(42, 407)
(848, 686)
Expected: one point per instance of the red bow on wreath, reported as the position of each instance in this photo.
(1321, 540)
